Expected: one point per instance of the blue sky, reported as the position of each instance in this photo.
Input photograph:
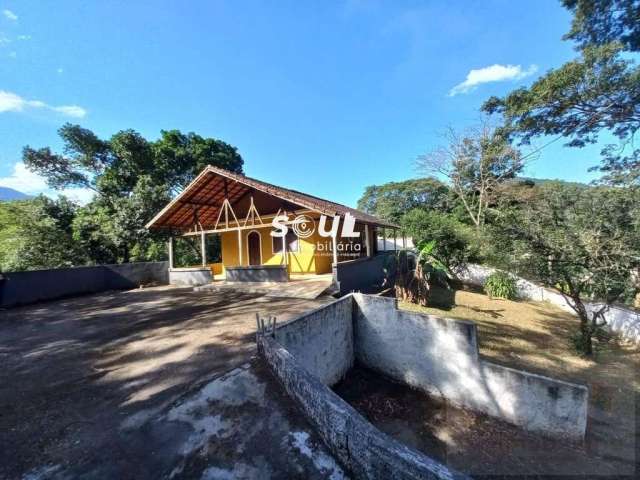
(324, 97)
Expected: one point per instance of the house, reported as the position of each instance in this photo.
(269, 233)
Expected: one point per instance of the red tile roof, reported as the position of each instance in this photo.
(207, 191)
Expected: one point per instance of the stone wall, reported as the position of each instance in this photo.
(322, 340)
(622, 321)
(21, 288)
(440, 356)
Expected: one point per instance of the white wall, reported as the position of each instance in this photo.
(322, 340)
(440, 356)
(389, 245)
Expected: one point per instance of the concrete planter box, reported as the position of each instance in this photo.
(259, 273)
(190, 276)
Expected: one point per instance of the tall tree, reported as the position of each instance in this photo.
(583, 241)
(112, 167)
(474, 162)
(598, 91)
(132, 177)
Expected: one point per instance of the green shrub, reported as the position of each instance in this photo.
(501, 285)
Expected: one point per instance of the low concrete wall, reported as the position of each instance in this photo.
(21, 288)
(322, 340)
(361, 448)
(360, 274)
(440, 356)
(190, 276)
(622, 321)
(258, 273)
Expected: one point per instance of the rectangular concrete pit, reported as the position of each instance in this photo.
(364, 450)
(440, 357)
(436, 355)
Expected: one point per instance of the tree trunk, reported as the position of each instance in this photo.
(585, 343)
(586, 333)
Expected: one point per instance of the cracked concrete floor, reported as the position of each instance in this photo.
(80, 375)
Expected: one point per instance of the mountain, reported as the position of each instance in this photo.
(8, 194)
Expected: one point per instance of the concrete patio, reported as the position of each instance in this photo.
(82, 378)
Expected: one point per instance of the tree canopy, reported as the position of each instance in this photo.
(475, 162)
(598, 91)
(112, 167)
(37, 233)
(132, 177)
(583, 241)
(392, 200)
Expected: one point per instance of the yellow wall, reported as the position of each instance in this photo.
(304, 261)
(216, 268)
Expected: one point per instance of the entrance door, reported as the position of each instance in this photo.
(253, 242)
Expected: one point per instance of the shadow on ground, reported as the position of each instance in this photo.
(76, 372)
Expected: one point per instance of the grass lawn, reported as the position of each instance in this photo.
(534, 336)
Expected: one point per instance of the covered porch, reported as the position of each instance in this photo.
(225, 223)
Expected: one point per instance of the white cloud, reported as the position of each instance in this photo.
(78, 195)
(11, 102)
(71, 110)
(13, 54)
(60, 70)
(24, 37)
(493, 73)
(25, 181)
(10, 15)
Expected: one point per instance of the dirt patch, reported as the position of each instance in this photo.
(77, 372)
(470, 442)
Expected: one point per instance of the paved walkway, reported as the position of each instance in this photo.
(76, 373)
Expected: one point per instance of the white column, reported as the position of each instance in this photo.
(240, 247)
(170, 246)
(203, 248)
(334, 245)
(366, 239)
(285, 257)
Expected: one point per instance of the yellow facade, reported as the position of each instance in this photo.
(305, 260)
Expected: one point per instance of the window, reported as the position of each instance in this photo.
(291, 240)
